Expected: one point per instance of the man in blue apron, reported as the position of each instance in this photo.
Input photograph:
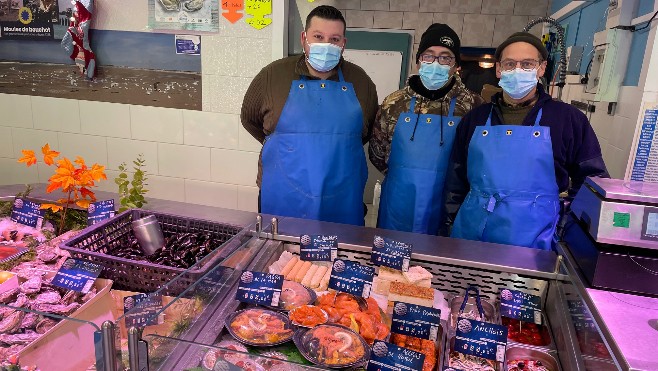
(313, 113)
(514, 156)
(414, 131)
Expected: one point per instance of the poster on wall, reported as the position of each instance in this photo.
(644, 162)
(34, 19)
(190, 15)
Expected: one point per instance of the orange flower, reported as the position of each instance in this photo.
(28, 157)
(48, 154)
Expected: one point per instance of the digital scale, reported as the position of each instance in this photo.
(612, 233)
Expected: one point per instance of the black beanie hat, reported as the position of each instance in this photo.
(439, 34)
(524, 37)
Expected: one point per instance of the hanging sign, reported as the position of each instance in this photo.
(231, 10)
(258, 9)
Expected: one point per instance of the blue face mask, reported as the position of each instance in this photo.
(434, 75)
(518, 82)
(323, 57)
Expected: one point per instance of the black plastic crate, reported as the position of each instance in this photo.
(96, 241)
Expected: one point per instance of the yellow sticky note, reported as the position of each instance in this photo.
(258, 9)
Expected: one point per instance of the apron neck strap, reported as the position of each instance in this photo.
(538, 118)
(488, 123)
(453, 103)
(412, 104)
(340, 75)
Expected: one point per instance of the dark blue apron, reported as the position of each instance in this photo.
(514, 197)
(412, 191)
(314, 166)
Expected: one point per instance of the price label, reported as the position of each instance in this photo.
(27, 213)
(387, 356)
(519, 305)
(415, 320)
(141, 310)
(260, 288)
(77, 275)
(481, 339)
(580, 316)
(188, 44)
(351, 277)
(318, 247)
(99, 211)
(391, 253)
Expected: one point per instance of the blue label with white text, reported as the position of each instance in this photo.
(27, 213)
(387, 356)
(391, 253)
(99, 211)
(481, 339)
(77, 275)
(351, 277)
(140, 310)
(260, 288)
(519, 305)
(415, 320)
(318, 247)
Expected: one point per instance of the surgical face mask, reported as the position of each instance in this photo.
(518, 83)
(434, 75)
(323, 57)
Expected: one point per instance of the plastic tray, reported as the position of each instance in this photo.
(142, 276)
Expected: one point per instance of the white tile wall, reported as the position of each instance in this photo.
(234, 167)
(6, 143)
(247, 142)
(127, 150)
(105, 119)
(224, 93)
(181, 161)
(220, 55)
(248, 198)
(92, 148)
(56, 114)
(17, 173)
(156, 124)
(212, 194)
(166, 188)
(16, 110)
(250, 56)
(34, 140)
(210, 129)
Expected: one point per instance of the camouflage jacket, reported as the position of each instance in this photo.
(399, 102)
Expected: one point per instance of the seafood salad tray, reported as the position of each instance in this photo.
(192, 246)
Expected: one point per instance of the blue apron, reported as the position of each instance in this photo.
(412, 192)
(514, 197)
(314, 166)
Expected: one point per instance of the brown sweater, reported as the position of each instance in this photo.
(268, 92)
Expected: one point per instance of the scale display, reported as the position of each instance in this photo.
(650, 224)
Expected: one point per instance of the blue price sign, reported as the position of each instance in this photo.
(77, 275)
(27, 213)
(351, 277)
(260, 288)
(99, 211)
(387, 356)
(580, 316)
(481, 339)
(188, 44)
(140, 310)
(415, 320)
(391, 253)
(318, 247)
(519, 305)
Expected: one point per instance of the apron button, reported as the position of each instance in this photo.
(536, 134)
(322, 85)
(344, 88)
(508, 132)
(429, 120)
(407, 119)
(451, 123)
(485, 133)
(301, 86)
